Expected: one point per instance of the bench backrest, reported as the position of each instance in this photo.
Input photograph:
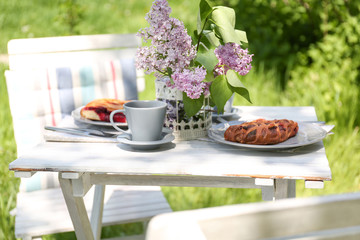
(50, 77)
(330, 217)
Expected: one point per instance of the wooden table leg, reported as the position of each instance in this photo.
(97, 210)
(77, 211)
(284, 188)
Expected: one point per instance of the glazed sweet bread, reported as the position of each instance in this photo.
(100, 109)
(262, 132)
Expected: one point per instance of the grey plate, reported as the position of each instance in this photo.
(233, 112)
(308, 133)
(76, 115)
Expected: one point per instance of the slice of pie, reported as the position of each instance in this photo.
(100, 109)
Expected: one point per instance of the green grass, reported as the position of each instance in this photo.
(8, 184)
(42, 18)
(333, 93)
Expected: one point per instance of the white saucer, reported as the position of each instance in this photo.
(146, 145)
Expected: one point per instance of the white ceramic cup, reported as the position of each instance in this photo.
(145, 119)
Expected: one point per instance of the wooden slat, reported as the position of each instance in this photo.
(134, 237)
(43, 60)
(36, 220)
(77, 211)
(24, 174)
(71, 175)
(187, 158)
(161, 180)
(72, 43)
(330, 217)
(35, 53)
(97, 211)
(314, 184)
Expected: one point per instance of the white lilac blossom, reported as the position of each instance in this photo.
(232, 56)
(170, 46)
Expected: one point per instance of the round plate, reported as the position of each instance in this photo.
(308, 134)
(76, 115)
(233, 112)
(146, 145)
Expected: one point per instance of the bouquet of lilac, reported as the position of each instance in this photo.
(213, 66)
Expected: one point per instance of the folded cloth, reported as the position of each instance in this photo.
(68, 122)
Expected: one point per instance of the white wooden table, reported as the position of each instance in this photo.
(197, 163)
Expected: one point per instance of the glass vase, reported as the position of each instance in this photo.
(185, 128)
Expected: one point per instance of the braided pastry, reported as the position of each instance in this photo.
(262, 132)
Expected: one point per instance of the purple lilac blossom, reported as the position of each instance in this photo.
(190, 81)
(232, 56)
(170, 44)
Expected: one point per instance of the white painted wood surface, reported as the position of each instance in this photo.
(122, 204)
(200, 163)
(97, 211)
(38, 53)
(72, 43)
(190, 158)
(314, 184)
(23, 174)
(194, 158)
(77, 211)
(329, 217)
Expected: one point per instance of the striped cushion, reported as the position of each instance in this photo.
(44, 96)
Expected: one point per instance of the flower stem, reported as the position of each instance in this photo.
(201, 35)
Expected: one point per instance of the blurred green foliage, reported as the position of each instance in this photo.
(313, 45)
(70, 14)
(283, 34)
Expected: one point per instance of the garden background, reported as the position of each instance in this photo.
(306, 52)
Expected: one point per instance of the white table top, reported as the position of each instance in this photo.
(195, 158)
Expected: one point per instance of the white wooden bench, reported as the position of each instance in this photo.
(31, 61)
(330, 217)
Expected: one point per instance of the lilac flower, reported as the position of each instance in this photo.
(232, 56)
(170, 46)
(191, 82)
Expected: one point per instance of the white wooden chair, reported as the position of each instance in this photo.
(329, 217)
(47, 79)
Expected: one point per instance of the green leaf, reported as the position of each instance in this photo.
(233, 78)
(224, 19)
(209, 77)
(204, 11)
(225, 14)
(208, 60)
(198, 23)
(192, 106)
(220, 92)
(241, 35)
(210, 35)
